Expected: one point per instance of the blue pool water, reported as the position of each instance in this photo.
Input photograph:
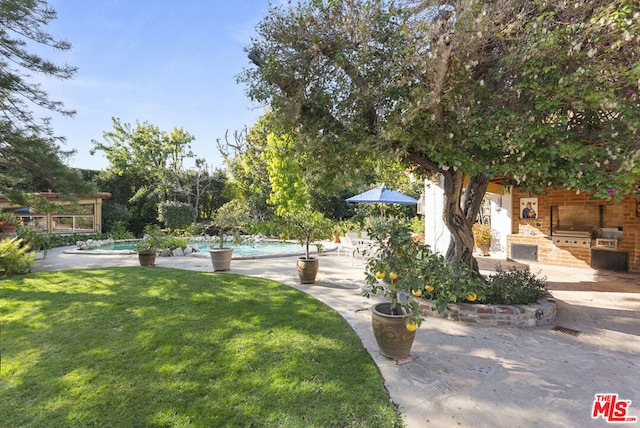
(246, 249)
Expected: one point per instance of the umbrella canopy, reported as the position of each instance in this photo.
(383, 195)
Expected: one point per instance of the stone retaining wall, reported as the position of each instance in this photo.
(541, 313)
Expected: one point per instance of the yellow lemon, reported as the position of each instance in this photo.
(379, 275)
(393, 276)
(411, 326)
(472, 297)
(417, 293)
(429, 288)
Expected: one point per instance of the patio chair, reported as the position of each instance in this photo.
(345, 246)
(354, 248)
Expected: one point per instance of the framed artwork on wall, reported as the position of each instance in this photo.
(528, 208)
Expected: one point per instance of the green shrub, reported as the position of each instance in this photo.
(15, 257)
(119, 234)
(417, 225)
(173, 242)
(195, 229)
(115, 217)
(514, 287)
(37, 239)
(71, 239)
(175, 215)
(266, 228)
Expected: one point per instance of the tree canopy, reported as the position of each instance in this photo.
(147, 166)
(31, 158)
(537, 92)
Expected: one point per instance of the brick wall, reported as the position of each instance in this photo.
(578, 209)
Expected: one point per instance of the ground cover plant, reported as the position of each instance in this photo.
(161, 347)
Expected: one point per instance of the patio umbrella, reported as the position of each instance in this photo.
(383, 195)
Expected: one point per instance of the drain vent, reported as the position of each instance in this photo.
(566, 330)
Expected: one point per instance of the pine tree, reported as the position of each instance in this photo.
(31, 158)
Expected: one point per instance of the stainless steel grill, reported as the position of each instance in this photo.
(573, 236)
(574, 231)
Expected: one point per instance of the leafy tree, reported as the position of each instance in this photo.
(151, 163)
(286, 174)
(541, 93)
(149, 153)
(247, 166)
(215, 192)
(30, 155)
(206, 189)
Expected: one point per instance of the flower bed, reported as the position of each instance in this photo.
(541, 313)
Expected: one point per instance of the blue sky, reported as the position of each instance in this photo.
(171, 63)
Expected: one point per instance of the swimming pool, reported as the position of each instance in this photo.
(265, 248)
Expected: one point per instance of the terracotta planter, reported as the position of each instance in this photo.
(221, 258)
(390, 331)
(307, 269)
(484, 248)
(147, 259)
(8, 228)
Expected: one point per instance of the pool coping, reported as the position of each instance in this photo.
(202, 254)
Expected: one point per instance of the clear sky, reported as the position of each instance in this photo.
(171, 63)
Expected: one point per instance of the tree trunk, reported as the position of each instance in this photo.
(460, 211)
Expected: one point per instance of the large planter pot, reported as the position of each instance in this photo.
(307, 269)
(221, 258)
(390, 331)
(147, 259)
(483, 248)
(8, 228)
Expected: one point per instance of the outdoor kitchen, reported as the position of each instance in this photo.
(561, 227)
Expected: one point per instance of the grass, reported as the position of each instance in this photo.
(170, 348)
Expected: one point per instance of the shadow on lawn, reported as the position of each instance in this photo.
(129, 346)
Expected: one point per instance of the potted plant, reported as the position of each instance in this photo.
(392, 272)
(8, 221)
(404, 271)
(148, 246)
(337, 231)
(229, 218)
(482, 237)
(307, 226)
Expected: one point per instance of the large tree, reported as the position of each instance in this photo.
(31, 158)
(151, 162)
(540, 93)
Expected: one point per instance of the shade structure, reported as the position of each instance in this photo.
(383, 195)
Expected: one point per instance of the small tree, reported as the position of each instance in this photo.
(307, 226)
(230, 217)
(175, 215)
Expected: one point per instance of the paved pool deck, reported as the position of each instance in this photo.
(469, 375)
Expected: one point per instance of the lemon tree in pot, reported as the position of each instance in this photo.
(229, 219)
(404, 271)
(307, 226)
(392, 272)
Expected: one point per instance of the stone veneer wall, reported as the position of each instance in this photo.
(536, 231)
(541, 313)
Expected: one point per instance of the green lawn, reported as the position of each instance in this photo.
(166, 347)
